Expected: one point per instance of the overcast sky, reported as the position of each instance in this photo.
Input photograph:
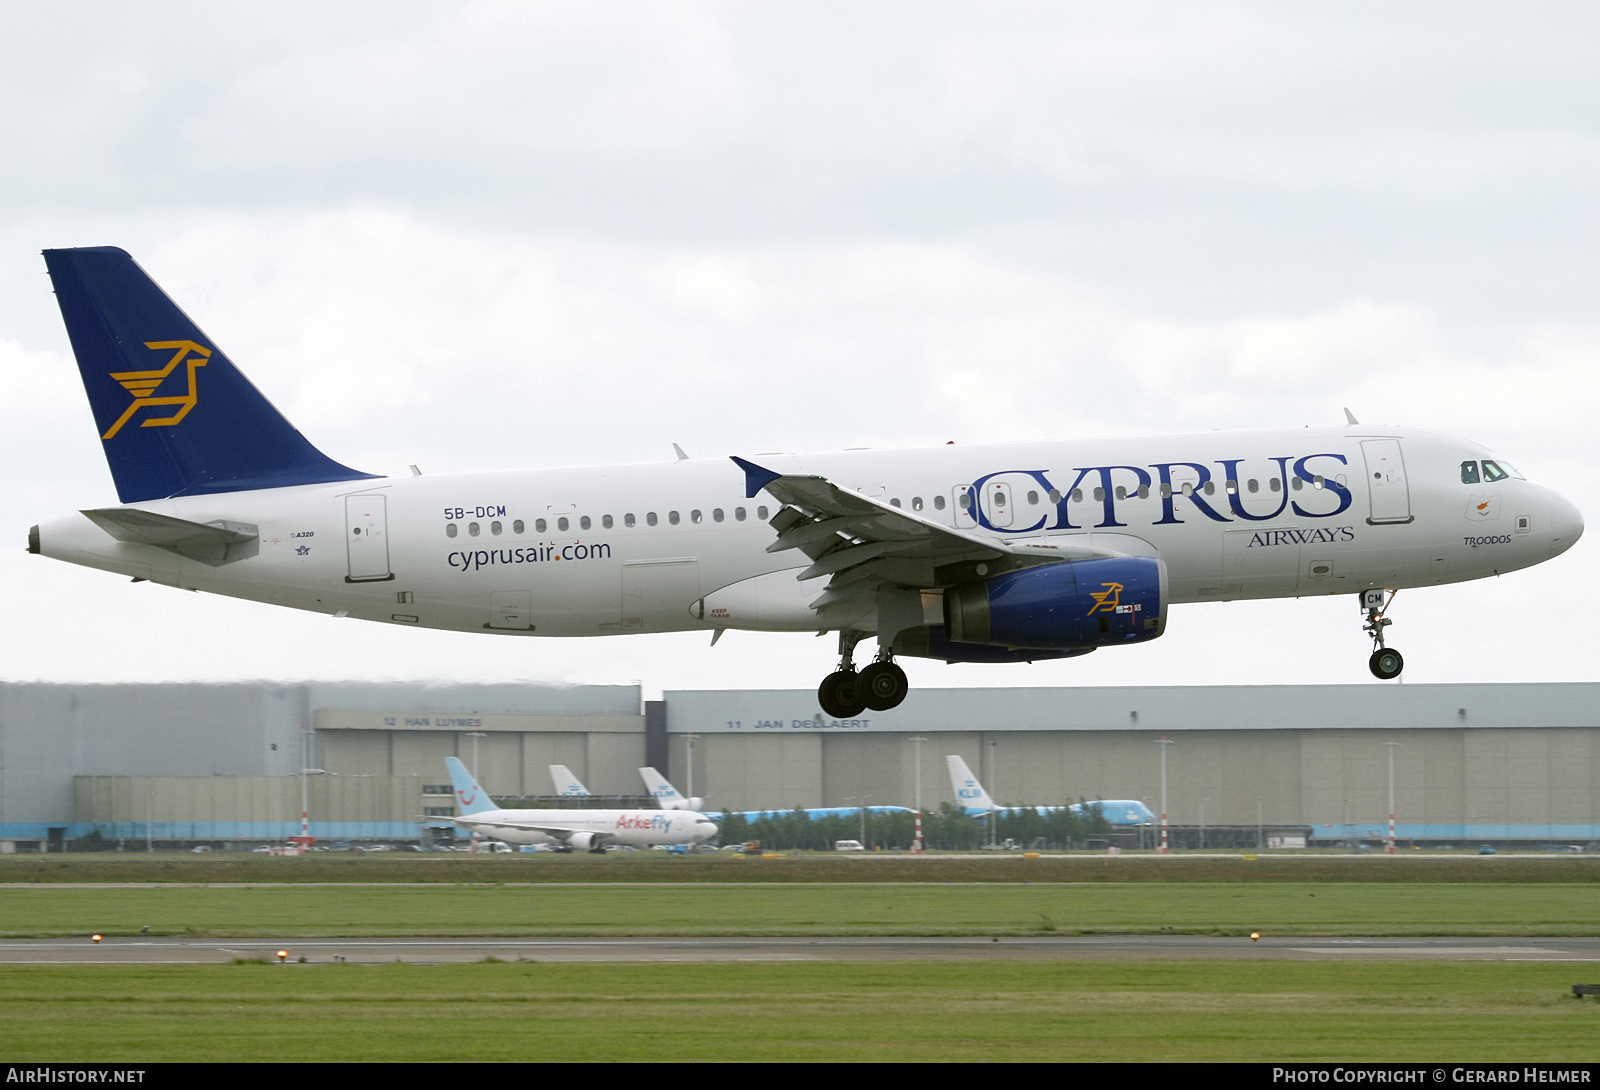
(476, 236)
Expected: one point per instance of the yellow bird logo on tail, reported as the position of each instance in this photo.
(143, 385)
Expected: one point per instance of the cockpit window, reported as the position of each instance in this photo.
(1493, 472)
(1469, 472)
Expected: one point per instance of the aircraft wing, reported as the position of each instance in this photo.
(863, 542)
(560, 832)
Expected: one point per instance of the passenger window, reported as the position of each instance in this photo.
(650, 518)
(1232, 487)
(716, 514)
(449, 529)
(1274, 485)
(541, 526)
(1187, 489)
(495, 528)
(1077, 495)
(738, 514)
(761, 513)
(894, 502)
(628, 520)
(1469, 472)
(1144, 492)
(1122, 492)
(938, 503)
(562, 523)
(1166, 491)
(672, 517)
(1054, 495)
(999, 499)
(1210, 488)
(584, 523)
(966, 502)
(1296, 483)
(1033, 498)
(1253, 485)
(1492, 472)
(1099, 495)
(916, 503)
(605, 522)
(1317, 481)
(694, 517)
(517, 527)
(472, 529)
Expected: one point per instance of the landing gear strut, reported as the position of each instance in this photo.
(840, 693)
(845, 694)
(1385, 663)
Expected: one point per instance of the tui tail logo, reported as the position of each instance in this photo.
(143, 385)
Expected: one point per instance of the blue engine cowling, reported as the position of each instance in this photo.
(1080, 604)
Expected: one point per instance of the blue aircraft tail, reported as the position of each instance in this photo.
(175, 417)
(471, 798)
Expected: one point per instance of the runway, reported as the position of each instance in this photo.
(436, 951)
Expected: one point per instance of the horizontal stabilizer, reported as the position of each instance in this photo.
(213, 543)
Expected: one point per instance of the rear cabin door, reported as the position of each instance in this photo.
(366, 536)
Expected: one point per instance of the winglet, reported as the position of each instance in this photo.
(755, 478)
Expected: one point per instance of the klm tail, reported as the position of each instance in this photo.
(567, 785)
(471, 798)
(175, 417)
(665, 794)
(969, 792)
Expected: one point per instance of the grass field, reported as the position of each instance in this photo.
(1280, 1011)
(1226, 908)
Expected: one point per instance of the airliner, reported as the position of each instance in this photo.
(669, 798)
(568, 786)
(982, 554)
(974, 799)
(568, 830)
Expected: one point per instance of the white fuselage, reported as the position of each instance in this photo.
(673, 546)
(637, 828)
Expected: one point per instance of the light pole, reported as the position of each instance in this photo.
(1392, 746)
(993, 814)
(688, 743)
(1261, 838)
(1165, 844)
(475, 735)
(1203, 823)
(306, 771)
(916, 741)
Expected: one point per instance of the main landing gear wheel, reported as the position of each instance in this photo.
(841, 694)
(883, 686)
(1386, 663)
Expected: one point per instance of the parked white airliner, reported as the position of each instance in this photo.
(975, 799)
(967, 554)
(584, 830)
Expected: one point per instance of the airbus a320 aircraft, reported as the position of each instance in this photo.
(967, 554)
(585, 830)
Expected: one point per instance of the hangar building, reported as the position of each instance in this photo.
(187, 762)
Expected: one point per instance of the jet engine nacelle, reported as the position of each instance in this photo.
(583, 842)
(694, 804)
(1080, 604)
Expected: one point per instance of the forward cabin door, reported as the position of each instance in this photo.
(366, 536)
(1386, 481)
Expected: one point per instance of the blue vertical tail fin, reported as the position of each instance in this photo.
(175, 416)
(471, 798)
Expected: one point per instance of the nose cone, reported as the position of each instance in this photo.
(1566, 525)
(705, 830)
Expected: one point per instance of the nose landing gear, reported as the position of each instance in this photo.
(1385, 663)
(845, 694)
